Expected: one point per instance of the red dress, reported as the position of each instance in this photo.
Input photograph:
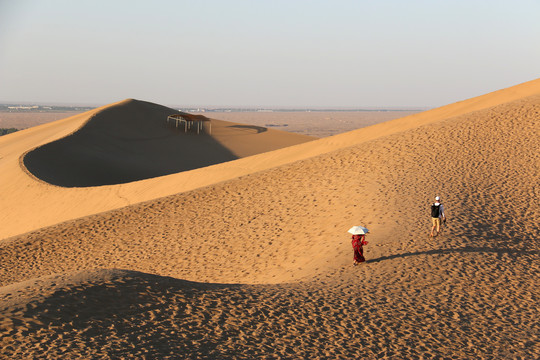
(357, 242)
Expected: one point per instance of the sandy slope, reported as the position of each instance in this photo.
(260, 265)
(116, 144)
(132, 141)
(34, 204)
(315, 123)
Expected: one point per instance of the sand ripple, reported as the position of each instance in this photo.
(260, 266)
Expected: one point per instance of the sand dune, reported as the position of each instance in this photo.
(314, 123)
(132, 141)
(260, 265)
(120, 143)
(34, 205)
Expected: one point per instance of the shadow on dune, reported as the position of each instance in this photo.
(110, 309)
(116, 313)
(258, 129)
(127, 142)
(500, 251)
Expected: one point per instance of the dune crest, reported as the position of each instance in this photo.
(260, 265)
(60, 204)
(131, 141)
(283, 211)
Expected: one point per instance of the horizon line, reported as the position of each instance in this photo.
(239, 108)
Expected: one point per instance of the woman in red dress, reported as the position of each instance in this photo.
(357, 242)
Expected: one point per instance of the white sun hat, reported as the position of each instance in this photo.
(437, 198)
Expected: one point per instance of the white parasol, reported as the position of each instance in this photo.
(358, 230)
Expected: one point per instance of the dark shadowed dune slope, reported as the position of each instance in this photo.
(132, 141)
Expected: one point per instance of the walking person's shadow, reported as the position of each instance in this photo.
(467, 249)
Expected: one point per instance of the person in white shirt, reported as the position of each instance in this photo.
(437, 214)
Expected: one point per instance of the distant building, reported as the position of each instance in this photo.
(22, 107)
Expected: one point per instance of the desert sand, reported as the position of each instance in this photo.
(250, 258)
(313, 123)
(28, 119)
(316, 123)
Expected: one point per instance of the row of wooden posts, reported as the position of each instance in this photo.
(189, 123)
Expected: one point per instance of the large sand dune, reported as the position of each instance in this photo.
(132, 141)
(35, 204)
(257, 262)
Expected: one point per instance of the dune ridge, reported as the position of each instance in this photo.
(260, 265)
(253, 207)
(30, 214)
(131, 141)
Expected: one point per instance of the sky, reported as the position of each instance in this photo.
(274, 53)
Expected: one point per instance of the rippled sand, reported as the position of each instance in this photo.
(257, 263)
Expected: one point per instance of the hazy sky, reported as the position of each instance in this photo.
(266, 53)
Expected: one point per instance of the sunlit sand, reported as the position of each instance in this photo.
(249, 256)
